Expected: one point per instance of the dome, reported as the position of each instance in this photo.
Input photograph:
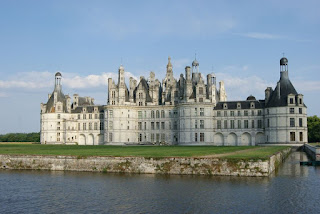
(58, 74)
(251, 98)
(195, 63)
(283, 61)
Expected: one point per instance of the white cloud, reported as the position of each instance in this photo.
(256, 35)
(239, 88)
(307, 85)
(36, 80)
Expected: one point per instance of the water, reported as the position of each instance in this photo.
(293, 189)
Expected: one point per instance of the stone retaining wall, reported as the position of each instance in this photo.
(170, 165)
(312, 151)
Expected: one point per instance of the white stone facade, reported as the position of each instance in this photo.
(187, 111)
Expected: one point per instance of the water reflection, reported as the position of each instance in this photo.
(293, 189)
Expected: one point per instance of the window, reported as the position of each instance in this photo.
(145, 114)
(267, 111)
(196, 137)
(239, 113)
(78, 126)
(170, 115)
(232, 113)
(291, 110)
(300, 122)
(101, 125)
(95, 116)
(84, 116)
(162, 125)
(301, 136)
(259, 112)
(158, 125)
(245, 113)
(292, 122)
(140, 137)
(111, 125)
(200, 90)
(201, 124)
(163, 137)
(140, 114)
(201, 100)
(157, 114)
(84, 126)
(291, 100)
(201, 137)
(90, 116)
(152, 137)
(110, 113)
(140, 125)
(252, 112)
(58, 116)
(152, 114)
(268, 123)
(218, 113)
(110, 137)
(292, 136)
(225, 113)
(101, 116)
(218, 124)
(232, 124)
(175, 125)
(195, 124)
(78, 116)
(259, 124)
(175, 93)
(246, 124)
(145, 125)
(225, 124)
(201, 111)
(195, 111)
(162, 114)
(300, 110)
(252, 124)
(239, 124)
(300, 101)
(152, 125)
(169, 125)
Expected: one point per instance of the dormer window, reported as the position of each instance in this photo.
(252, 105)
(225, 106)
(291, 100)
(238, 105)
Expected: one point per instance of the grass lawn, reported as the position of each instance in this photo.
(314, 144)
(259, 153)
(144, 151)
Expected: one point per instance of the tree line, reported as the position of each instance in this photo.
(313, 129)
(20, 137)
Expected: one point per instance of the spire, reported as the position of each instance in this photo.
(169, 65)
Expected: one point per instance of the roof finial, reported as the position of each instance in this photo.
(283, 54)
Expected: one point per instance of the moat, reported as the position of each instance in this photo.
(292, 189)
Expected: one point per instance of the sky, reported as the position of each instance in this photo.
(240, 41)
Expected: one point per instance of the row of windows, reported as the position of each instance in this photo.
(231, 124)
(90, 127)
(90, 116)
(292, 111)
(293, 122)
(239, 113)
(293, 136)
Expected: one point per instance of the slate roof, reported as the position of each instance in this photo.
(90, 109)
(244, 104)
(286, 88)
(60, 98)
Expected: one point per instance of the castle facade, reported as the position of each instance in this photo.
(184, 111)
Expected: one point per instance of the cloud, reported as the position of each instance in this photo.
(37, 80)
(256, 35)
(239, 88)
(307, 85)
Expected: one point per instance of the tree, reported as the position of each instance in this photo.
(314, 129)
(20, 137)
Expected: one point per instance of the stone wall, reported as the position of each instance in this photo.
(172, 165)
(312, 151)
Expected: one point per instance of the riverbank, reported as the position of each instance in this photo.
(235, 163)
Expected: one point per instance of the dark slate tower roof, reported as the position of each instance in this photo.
(60, 98)
(284, 87)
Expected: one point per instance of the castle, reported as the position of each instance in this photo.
(187, 111)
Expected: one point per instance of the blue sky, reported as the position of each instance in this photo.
(240, 41)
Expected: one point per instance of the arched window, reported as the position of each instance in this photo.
(152, 114)
(158, 114)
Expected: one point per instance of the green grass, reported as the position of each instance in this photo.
(314, 144)
(144, 151)
(262, 153)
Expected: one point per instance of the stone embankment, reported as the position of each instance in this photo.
(168, 165)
